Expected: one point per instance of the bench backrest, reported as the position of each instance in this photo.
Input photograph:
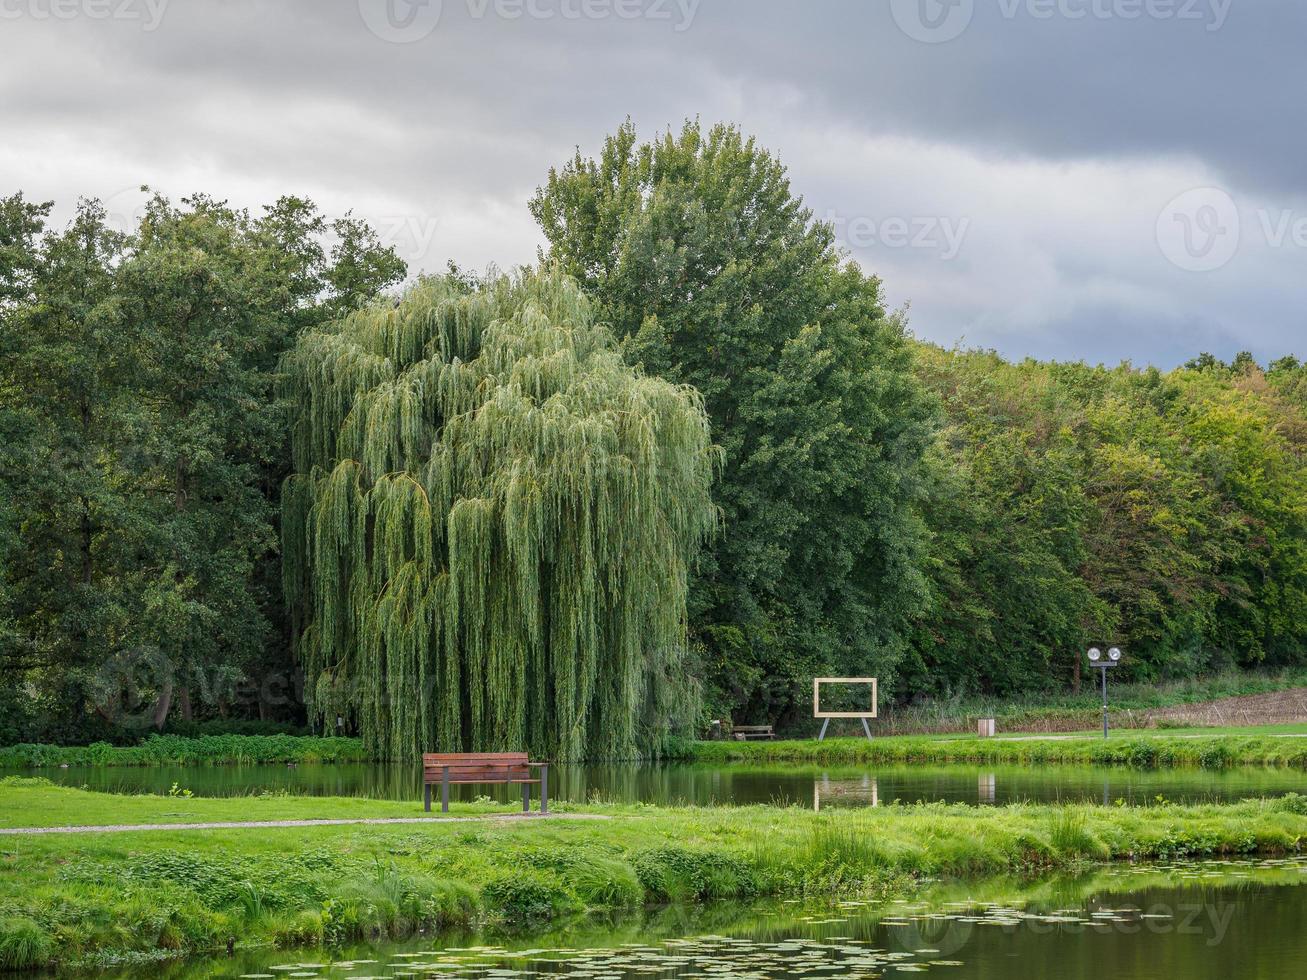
(468, 767)
(753, 728)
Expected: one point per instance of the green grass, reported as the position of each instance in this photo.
(133, 893)
(177, 750)
(1153, 750)
(35, 802)
(1057, 711)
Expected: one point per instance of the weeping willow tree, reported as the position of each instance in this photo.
(489, 527)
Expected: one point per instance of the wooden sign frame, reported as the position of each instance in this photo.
(826, 716)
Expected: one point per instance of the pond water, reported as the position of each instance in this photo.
(1193, 920)
(816, 786)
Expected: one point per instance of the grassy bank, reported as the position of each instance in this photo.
(1147, 751)
(116, 895)
(1200, 748)
(178, 750)
(1134, 705)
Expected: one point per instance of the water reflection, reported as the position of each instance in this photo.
(674, 783)
(862, 792)
(1217, 918)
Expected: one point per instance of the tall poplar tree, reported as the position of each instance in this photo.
(714, 274)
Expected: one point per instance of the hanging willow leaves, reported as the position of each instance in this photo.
(489, 529)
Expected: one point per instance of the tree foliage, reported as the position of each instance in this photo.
(488, 534)
(714, 274)
(141, 434)
(1069, 504)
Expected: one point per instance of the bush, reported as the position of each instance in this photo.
(525, 897)
(673, 873)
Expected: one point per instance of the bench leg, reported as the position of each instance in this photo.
(444, 793)
(526, 797)
(426, 797)
(544, 790)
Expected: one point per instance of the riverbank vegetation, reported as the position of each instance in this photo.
(142, 893)
(174, 750)
(1199, 748)
(959, 525)
(1209, 700)
(1145, 751)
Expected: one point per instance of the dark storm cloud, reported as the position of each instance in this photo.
(1055, 132)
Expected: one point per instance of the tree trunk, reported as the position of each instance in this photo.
(1075, 675)
(184, 702)
(162, 706)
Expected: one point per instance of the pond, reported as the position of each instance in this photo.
(1193, 920)
(671, 783)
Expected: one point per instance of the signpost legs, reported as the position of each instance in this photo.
(1103, 670)
(824, 725)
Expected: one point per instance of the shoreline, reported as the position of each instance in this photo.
(120, 894)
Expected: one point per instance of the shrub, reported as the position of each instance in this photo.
(673, 873)
(525, 897)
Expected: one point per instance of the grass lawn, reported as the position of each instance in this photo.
(43, 805)
(70, 898)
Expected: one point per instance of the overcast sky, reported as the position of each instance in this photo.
(1096, 179)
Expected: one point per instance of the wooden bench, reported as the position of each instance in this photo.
(743, 733)
(451, 768)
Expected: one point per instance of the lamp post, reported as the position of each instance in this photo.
(1096, 659)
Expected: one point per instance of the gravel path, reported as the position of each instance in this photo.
(252, 824)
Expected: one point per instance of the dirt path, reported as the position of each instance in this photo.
(254, 824)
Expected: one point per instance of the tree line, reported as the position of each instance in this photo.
(950, 521)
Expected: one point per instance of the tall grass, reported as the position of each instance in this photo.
(24, 945)
(176, 750)
(1133, 704)
(1139, 750)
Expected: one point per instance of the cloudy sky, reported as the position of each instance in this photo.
(1097, 179)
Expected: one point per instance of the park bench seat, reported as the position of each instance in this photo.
(451, 768)
(745, 732)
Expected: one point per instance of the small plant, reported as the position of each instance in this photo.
(24, 945)
(1069, 834)
(176, 791)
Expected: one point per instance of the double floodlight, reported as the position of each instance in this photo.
(1113, 656)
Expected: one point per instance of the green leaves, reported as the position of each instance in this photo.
(144, 442)
(714, 275)
(488, 539)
